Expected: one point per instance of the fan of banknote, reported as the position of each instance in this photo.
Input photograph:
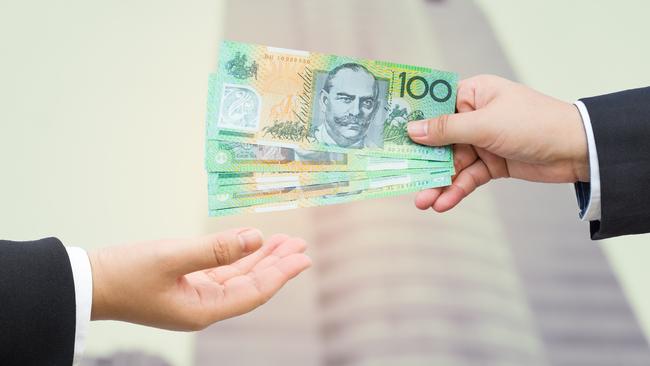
(289, 129)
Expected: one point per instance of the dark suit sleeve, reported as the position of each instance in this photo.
(621, 125)
(37, 304)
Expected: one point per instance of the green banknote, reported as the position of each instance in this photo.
(227, 196)
(314, 101)
(265, 180)
(229, 156)
(398, 186)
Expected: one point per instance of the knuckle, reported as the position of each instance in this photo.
(458, 163)
(489, 78)
(440, 127)
(487, 81)
(476, 182)
(221, 252)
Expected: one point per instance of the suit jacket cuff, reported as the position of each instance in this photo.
(37, 321)
(83, 284)
(621, 127)
(588, 193)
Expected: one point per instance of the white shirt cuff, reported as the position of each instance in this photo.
(83, 286)
(592, 212)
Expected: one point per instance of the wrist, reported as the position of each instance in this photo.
(581, 170)
(100, 304)
(580, 156)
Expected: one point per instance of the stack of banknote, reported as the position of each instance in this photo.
(289, 129)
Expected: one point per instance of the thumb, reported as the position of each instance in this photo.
(213, 250)
(458, 128)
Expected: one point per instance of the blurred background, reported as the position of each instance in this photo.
(101, 142)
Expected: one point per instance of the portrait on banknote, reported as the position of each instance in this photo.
(349, 107)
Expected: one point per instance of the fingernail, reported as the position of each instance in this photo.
(417, 128)
(249, 238)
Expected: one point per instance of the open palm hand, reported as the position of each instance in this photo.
(190, 284)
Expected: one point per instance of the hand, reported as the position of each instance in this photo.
(504, 129)
(189, 284)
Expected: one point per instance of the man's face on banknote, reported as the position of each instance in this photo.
(349, 103)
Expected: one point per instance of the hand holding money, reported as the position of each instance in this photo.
(273, 111)
(504, 129)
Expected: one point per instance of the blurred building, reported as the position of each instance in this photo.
(401, 289)
(508, 278)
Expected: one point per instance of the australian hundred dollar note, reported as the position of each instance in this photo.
(222, 205)
(228, 156)
(274, 188)
(314, 101)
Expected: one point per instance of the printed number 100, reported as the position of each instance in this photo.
(428, 89)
